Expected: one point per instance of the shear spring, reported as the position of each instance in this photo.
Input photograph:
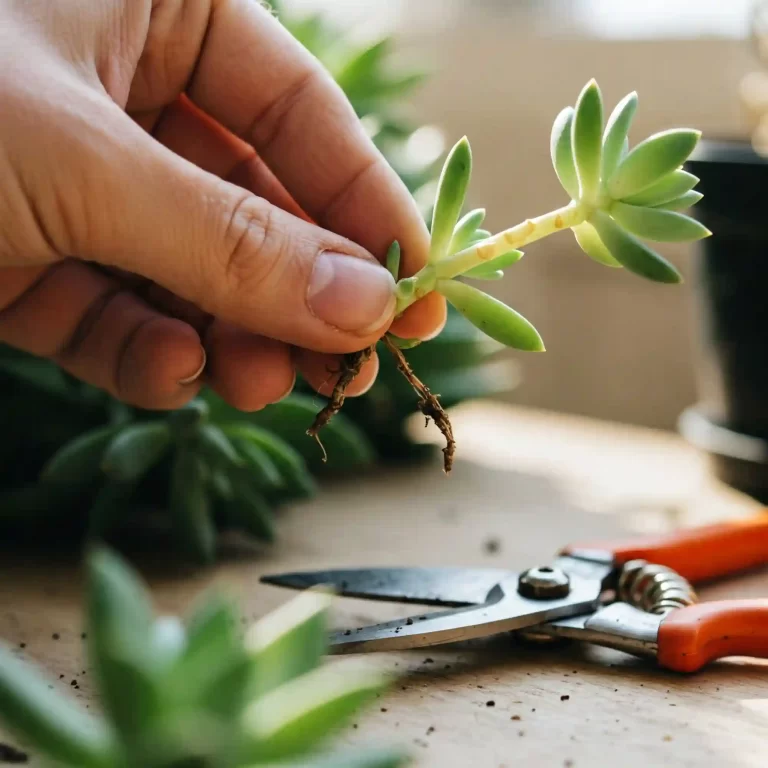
(654, 588)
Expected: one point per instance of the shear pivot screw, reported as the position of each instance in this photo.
(544, 583)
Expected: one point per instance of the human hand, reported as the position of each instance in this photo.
(182, 180)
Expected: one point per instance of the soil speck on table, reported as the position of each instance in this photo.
(431, 729)
(492, 546)
(515, 717)
(429, 661)
(490, 703)
(55, 635)
(565, 697)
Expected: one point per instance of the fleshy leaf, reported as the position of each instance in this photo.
(288, 462)
(587, 138)
(660, 226)
(616, 130)
(190, 508)
(681, 203)
(493, 274)
(135, 450)
(670, 187)
(393, 260)
(258, 463)
(292, 719)
(78, 462)
(249, 511)
(217, 446)
(55, 726)
(449, 200)
(465, 229)
(482, 271)
(651, 160)
(491, 316)
(289, 642)
(631, 253)
(561, 151)
(589, 242)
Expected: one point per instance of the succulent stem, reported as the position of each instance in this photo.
(414, 288)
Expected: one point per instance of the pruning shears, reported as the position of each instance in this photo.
(636, 596)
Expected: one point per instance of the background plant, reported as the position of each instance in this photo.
(109, 469)
(193, 694)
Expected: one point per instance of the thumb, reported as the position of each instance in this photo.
(226, 250)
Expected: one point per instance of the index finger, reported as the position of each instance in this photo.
(257, 80)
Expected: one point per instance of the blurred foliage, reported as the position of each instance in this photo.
(76, 463)
(193, 694)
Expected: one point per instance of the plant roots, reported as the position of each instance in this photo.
(428, 403)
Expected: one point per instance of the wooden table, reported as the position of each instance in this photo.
(533, 482)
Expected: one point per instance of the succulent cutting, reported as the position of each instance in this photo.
(194, 693)
(618, 198)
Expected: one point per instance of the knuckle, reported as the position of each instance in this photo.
(254, 249)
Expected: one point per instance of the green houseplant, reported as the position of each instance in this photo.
(193, 694)
(730, 420)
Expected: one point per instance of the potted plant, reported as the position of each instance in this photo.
(730, 421)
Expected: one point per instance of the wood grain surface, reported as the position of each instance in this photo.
(525, 484)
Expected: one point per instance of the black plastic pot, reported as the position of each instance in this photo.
(730, 421)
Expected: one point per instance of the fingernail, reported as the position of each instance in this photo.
(350, 294)
(198, 373)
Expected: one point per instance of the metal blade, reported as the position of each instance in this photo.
(447, 587)
(505, 610)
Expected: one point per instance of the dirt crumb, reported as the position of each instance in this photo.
(9, 754)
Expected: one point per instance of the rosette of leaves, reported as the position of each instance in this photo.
(194, 693)
(202, 469)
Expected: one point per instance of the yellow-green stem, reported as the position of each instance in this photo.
(422, 283)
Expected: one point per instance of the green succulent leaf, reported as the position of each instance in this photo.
(491, 316)
(217, 447)
(615, 141)
(587, 138)
(53, 724)
(660, 226)
(488, 269)
(120, 628)
(78, 463)
(393, 260)
(109, 506)
(294, 718)
(289, 463)
(189, 416)
(250, 512)
(631, 253)
(213, 672)
(484, 274)
(671, 186)
(403, 343)
(289, 642)
(465, 230)
(190, 507)
(561, 151)
(449, 200)
(651, 160)
(258, 463)
(135, 450)
(589, 242)
(682, 203)
(120, 614)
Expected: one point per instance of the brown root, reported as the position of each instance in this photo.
(428, 404)
(351, 364)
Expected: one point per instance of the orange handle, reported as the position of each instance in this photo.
(697, 554)
(691, 637)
